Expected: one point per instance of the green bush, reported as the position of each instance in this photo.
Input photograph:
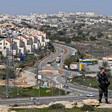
(21, 65)
(15, 105)
(87, 108)
(57, 106)
(102, 110)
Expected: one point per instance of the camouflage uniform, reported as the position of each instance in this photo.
(103, 84)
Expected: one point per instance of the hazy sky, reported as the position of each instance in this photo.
(102, 7)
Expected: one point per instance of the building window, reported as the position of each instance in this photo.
(0, 43)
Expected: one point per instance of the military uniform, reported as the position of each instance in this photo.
(103, 84)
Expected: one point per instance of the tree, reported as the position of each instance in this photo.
(60, 33)
(74, 58)
(100, 34)
(68, 40)
(67, 61)
(48, 33)
(80, 54)
(92, 38)
(78, 38)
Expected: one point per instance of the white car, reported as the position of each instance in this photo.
(32, 99)
(65, 86)
(90, 94)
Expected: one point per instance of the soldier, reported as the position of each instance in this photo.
(103, 84)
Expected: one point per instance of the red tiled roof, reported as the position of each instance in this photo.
(31, 35)
(39, 35)
(25, 37)
(8, 40)
(17, 38)
(108, 56)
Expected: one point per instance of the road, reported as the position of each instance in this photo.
(41, 99)
(59, 79)
(80, 91)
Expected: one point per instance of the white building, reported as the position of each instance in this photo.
(35, 42)
(28, 43)
(20, 46)
(5, 47)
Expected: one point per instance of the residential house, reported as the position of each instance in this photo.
(28, 43)
(20, 45)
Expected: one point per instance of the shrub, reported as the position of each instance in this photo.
(57, 106)
(102, 110)
(15, 105)
(87, 108)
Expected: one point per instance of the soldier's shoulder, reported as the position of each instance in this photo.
(98, 74)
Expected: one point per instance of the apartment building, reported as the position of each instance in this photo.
(5, 47)
(28, 43)
(20, 46)
(35, 42)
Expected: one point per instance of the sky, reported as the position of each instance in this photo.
(14, 7)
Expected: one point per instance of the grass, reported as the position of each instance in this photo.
(41, 52)
(88, 81)
(75, 109)
(30, 92)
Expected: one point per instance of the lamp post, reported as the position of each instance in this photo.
(37, 78)
(66, 84)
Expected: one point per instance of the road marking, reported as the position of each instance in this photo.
(70, 87)
(78, 90)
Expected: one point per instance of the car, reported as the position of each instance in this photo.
(58, 59)
(32, 99)
(90, 94)
(49, 63)
(65, 86)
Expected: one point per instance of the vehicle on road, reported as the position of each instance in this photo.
(32, 99)
(89, 61)
(65, 86)
(49, 63)
(90, 94)
(58, 59)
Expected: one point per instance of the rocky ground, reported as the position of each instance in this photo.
(67, 104)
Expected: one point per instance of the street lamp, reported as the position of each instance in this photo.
(38, 77)
(66, 84)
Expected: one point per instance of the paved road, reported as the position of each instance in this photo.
(42, 99)
(59, 79)
(81, 91)
(70, 50)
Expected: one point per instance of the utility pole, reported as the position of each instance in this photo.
(10, 64)
(37, 73)
(37, 79)
(7, 79)
(13, 64)
(66, 85)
